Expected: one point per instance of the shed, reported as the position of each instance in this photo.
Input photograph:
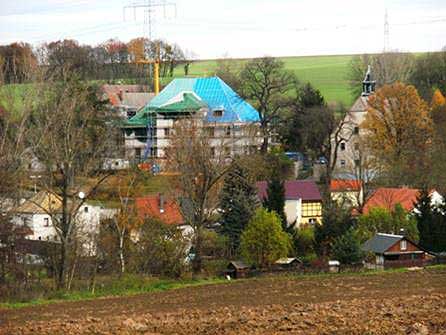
(237, 269)
(288, 263)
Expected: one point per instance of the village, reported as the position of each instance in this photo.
(127, 176)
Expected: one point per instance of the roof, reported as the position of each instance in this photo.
(381, 242)
(41, 203)
(360, 105)
(137, 100)
(306, 190)
(339, 185)
(389, 197)
(287, 260)
(116, 94)
(149, 206)
(239, 265)
(213, 93)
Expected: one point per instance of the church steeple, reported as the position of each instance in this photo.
(368, 84)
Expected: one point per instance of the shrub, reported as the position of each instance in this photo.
(264, 241)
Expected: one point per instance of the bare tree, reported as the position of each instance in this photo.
(200, 170)
(387, 68)
(269, 87)
(67, 134)
(128, 185)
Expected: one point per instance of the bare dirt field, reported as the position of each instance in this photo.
(389, 303)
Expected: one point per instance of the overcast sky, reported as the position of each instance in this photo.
(236, 28)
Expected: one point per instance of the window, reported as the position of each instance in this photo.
(311, 209)
(228, 131)
(166, 132)
(218, 113)
(403, 245)
(212, 152)
(356, 146)
(86, 209)
(46, 222)
(343, 146)
(342, 162)
(357, 162)
(356, 130)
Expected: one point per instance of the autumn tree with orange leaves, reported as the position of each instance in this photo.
(439, 141)
(399, 128)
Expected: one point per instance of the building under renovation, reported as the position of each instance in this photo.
(232, 123)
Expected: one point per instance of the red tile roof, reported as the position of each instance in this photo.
(388, 197)
(339, 185)
(149, 206)
(306, 190)
(113, 92)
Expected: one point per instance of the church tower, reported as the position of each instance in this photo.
(368, 84)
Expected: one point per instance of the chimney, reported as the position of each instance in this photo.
(161, 203)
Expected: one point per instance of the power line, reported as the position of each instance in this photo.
(386, 32)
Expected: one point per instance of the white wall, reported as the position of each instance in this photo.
(293, 211)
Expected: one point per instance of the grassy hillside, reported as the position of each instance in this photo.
(327, 73)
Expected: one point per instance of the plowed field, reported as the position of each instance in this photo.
(389, 303)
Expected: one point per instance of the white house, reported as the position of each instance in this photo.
(37, 214)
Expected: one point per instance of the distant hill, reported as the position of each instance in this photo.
(327, 73)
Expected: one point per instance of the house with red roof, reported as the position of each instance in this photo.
(159, 207)
(345, 191)
(303, 201)
(387, 198)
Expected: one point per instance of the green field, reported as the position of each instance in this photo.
(327, 73)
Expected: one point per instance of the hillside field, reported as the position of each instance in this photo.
(327, 73)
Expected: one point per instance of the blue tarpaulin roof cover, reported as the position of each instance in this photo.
(214, 92)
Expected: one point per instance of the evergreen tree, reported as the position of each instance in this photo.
(438, 229)
(336, 221)
(275, 199)
(347, 248)
(238, 202)
(424, 215)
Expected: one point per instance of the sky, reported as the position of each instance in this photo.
(235, 28)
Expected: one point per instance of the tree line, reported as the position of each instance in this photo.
(110, 61)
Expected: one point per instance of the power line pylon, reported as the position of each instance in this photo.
(149, 7)
(386, 33)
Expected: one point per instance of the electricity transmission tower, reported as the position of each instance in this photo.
(386, 33)
(150, 8)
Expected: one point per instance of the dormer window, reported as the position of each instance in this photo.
(217, 112)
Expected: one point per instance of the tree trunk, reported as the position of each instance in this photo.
(61, 268)
(197, 263)
(121, 253)
(264, 147)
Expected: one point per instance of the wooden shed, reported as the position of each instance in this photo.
(237, 269)
(288, 263)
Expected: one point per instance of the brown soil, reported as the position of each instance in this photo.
(391, 303)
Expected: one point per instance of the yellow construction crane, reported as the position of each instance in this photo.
(156, 73)
(156, 69)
